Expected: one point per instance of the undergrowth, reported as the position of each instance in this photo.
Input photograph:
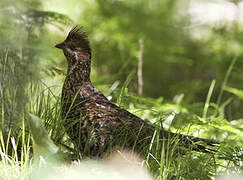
(205, 120)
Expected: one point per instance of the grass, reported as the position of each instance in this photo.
(16, 148)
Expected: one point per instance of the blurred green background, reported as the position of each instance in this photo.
(191, 54)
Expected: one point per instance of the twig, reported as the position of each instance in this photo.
(140, 67)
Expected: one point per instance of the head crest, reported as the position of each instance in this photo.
(79, 37)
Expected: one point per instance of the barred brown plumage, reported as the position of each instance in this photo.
(93, 123)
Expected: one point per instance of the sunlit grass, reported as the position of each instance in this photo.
(161, 159)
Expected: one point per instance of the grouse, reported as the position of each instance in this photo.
(93, 123)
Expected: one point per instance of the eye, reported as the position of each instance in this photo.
(72, 48)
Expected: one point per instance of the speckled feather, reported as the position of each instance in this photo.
(93, 123)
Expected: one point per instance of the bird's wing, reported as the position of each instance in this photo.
(111, 119)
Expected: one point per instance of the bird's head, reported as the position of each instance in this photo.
(76, 46)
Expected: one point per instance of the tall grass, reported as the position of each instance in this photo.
(162, 159)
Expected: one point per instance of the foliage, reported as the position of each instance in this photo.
(191, 85)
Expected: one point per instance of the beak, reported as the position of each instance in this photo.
(60, 46)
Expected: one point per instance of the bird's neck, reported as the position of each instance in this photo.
(79, 72)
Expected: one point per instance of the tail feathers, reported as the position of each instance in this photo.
(191, 142)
